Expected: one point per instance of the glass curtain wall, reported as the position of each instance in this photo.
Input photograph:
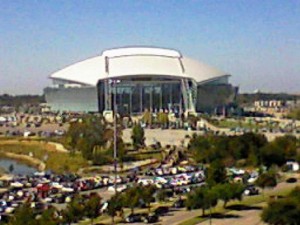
(135, 97)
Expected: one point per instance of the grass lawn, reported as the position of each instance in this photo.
(56, 161)
(146, 155)
(230, 123)
(234, 124)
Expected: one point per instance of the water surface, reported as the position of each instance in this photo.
(16, 168)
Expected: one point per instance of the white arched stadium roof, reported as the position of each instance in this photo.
(124, 62)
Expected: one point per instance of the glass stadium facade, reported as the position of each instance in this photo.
(134, 96)
(139, 80)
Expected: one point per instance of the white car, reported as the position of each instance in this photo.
(251, 180)
(173, 170)
(119, 188)
(67, 189)
(56, 185)
(145, 182)
(17, 184)
(9, 210)
(159, 172)
(160, 180)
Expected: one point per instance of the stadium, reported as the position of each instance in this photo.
(139, 79)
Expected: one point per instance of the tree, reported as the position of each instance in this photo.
(229, 191)
(49, 217)
(73, 134)
(281, 212)
(206, 149)
(138, 136)
(199, 145)
(163, 119)
(202, 198)
(147, 195)
(121, 151)
(87, 133)
(102, 156)
(147, 117)
(74, 210)
(92, 207)
(86, 148)
(132, 197)
(295, 193)
(272, 154)
(279, 151)
(162, 195)
(266, 180)
(216, 173)
(24, 215)
(289, 145)
(115, 204)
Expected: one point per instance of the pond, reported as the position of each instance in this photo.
(16, 168)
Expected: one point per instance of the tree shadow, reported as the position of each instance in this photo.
(174, 210)
(221, 216)
(241, 207)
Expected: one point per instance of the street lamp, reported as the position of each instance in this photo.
(114, 85)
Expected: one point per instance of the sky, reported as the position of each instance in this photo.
(257, 41)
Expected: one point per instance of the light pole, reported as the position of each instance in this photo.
(115, 131)
(210, 212)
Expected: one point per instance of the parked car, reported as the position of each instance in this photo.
(251, 190)
(135, 217)
(150, 218)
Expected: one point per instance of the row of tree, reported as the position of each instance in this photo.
(76, 210)
(219, 188)
(134, 197)
(10, 100)
(87, 207)
(253, 149)
(207, 197)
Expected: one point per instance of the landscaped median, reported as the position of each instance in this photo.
(281, 190)
(41, 155)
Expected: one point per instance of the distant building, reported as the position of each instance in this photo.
(142, 79)
(270, 103)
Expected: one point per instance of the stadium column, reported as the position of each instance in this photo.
(141, 97)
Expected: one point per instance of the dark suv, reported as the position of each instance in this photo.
(251, 190)
(134, 218)
(150, 218)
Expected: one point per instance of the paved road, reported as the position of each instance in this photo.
(177, 137)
